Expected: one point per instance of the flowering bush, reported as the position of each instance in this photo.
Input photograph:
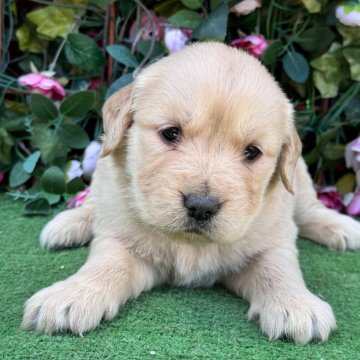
(61, 60)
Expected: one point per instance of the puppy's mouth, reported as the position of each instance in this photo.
(198, 227)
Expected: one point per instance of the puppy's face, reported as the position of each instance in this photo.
(210, 134)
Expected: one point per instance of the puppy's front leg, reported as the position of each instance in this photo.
(279, 299)
(106, 281)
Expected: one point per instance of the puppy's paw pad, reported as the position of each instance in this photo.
(301, 319)
(67, 306)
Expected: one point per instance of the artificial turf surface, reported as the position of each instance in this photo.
(166, 323)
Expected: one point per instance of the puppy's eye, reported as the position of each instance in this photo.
(171, 134)
(252, 152)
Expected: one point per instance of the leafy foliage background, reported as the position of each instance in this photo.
(95, 47)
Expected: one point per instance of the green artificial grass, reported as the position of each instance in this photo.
(167, 323)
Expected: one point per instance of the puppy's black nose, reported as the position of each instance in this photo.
(201, 207)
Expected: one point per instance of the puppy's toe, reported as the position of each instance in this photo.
(299, 318)
(343, 233)
(334, 230)
(67, 306)
(351, 233)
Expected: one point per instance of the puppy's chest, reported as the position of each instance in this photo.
(202, 266)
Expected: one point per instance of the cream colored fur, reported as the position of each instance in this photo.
(223, 100)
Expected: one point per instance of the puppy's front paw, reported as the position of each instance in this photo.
(349, 230)
(335, 230)
(68, 306)
(300, 317)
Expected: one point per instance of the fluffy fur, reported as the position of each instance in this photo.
(223, 100)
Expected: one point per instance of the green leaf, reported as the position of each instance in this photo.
(323, 138)
(333, 151)
(331, 68)
(352, 56)
(53, 181)
(316, 38)
(13, 122)
(214, 27)
(6, 144)
(312, 6)
(122, 55)
(47, 141)
(83, 52)
(119, 83)
(102, 3)
(328, 89)
(185, 18)
(43, 108)
(37, 207)
(73, 136)
(125, 7)
(75, 185)
(296, 66)
(144, 47)
(31, 161)
(78, 104)
(193, 4)
(167, 8)
(346, 184)
(27, 42)
(52, 21)
(350, 34)
(312, 156)
(51, 198)
(18, 175)
(272, 52)
(215, 3)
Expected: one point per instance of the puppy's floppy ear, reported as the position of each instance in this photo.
(116, 119)
(290, 153)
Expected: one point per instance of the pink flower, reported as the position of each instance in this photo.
(91, 155)
(94, 83)
(353, 208)
(78, 199)
(331, 198)
(150, 26)
(352, 157)
(44, 85)
(1, 177)
(254, 44)
(175, 39)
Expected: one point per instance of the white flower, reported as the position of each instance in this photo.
(73, 170)
(175, 39)
(349, 14)
(246, 7)
(91, 155)
(352, 157)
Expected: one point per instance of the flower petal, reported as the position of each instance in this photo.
(353, 208)
(31, 79)
(78, 199)
(73, 170)
(175, 39)
(91, 155)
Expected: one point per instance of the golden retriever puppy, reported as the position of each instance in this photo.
(200, 181)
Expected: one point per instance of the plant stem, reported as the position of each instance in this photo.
(340, 105)
(58, 52)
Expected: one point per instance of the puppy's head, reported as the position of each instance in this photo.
(209, 136)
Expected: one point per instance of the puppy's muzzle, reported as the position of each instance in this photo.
(201, 208)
